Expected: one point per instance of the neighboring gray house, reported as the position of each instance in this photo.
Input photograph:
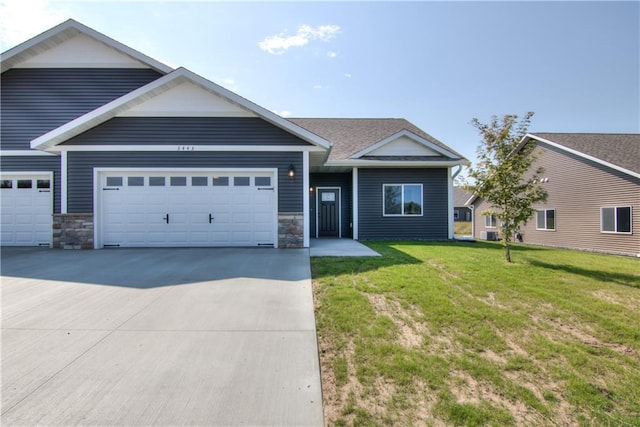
(102, 146)
(461, 212)
(593, 186)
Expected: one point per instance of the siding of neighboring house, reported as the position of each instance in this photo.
(577, 189)
(37, 100)
(432, 225)
(186, 131)
(81, 164)
(342, 180)
(464, 213)
(36, 164)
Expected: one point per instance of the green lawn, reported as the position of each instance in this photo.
(462, 228)
(448, 333)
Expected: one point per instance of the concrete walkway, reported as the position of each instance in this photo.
(159, 337)
(339, 248)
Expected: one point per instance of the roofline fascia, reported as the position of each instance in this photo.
(71, 23)
(393, 164)
(578, 153)
(110, 110)
(404, 132)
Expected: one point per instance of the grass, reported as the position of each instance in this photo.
(448, 333)
(462, 228)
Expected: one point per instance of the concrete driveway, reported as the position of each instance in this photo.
(159, 337)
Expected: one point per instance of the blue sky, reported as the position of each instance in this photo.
(437, 64)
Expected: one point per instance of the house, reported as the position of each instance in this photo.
(103, 146)
(593, 186)
(461, 212)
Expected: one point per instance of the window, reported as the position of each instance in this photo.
(135, 181)
(178, 181)
(263, 181)
(402, 199)
(546, 219)
(6, 183)
(456, 214)
(220, 181)
(25, 183)
(615, 219)
(156, 181)
(43, 183)
(241, 181)
(114, 181)
(199, 181)
(490, 221)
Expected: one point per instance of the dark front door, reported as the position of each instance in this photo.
(329, 215)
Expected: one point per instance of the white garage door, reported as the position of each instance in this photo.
(26, 207)
(176, 209)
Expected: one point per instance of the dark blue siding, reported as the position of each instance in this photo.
(433, 225)
(342, 180)
(80, 166)
(186, 131)
(36, 164)
(35, 101)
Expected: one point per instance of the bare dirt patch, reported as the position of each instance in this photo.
(412, 332)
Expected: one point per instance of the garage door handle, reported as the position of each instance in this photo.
(211, 218)
(166, 219)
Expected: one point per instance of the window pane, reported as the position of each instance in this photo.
(199, 181)
(412, 200)
(263, 181)
(551, 219)
(241, 181)
(178, 181)
(25, 183)
(220, 181)
(43, 183)
(156, 181)
(135, 181)
(392, 200)
(6, 183)
(540, 219)
(114, 181)
(623, 215)
(608, 219)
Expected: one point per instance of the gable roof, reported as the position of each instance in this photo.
(155, 88)
(63, 32)
(618, 151)
(351, 137)
(460, 196)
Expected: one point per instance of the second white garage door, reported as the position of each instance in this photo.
(176, 209)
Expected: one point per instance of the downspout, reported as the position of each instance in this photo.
(450, 201)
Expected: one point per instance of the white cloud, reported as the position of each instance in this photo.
(22, 20)
(284, 113)
(331, 54)
(348, 75)
(279, 44)
(318, 86)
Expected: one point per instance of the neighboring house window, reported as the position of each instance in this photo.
(456, 215)
(402, 199)
(615, 219)
(546, 219)
(490, 221)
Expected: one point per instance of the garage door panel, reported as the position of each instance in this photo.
(26, 210)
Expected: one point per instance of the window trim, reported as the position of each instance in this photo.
(489, 217)
(403, 214)
(545, 220)
(615, 219)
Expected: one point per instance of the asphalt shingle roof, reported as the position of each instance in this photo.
(460, 196)
(350, 136)
(622, 150)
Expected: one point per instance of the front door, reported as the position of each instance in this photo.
(329, 212)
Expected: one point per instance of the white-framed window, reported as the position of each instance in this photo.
(402, 199)
(546, 219)
(490, 221)
(615, 219)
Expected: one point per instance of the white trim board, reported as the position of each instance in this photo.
(242, 148)
(407, 134)
(15, 153)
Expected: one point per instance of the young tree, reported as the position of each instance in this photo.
(503, 174)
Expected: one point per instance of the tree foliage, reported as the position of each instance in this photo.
(503, 174)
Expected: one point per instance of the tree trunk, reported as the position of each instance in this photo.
(507, 251)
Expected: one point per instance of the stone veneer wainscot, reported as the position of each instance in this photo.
(73, 231)
(290, 230)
